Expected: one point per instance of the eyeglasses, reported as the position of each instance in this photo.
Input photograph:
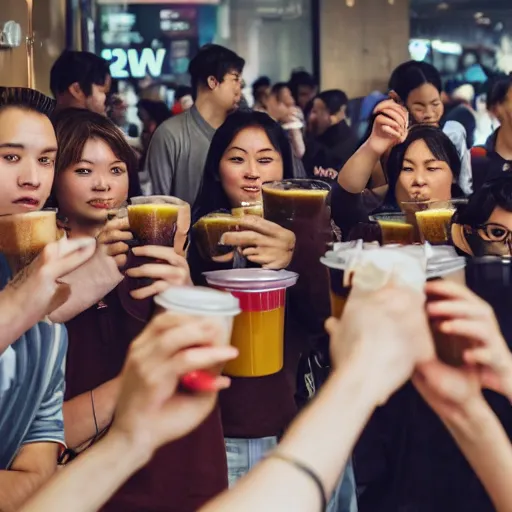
(493, 232)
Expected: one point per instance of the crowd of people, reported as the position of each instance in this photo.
(93, 415)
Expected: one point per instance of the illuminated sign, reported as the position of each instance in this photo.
(135, 63)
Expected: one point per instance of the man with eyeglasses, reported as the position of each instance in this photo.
(179, 147)
(484, 226)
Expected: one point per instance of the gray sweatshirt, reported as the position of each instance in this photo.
(177, 154)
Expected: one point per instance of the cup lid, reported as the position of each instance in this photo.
(198, 300)
(440, 259)
(251, 279)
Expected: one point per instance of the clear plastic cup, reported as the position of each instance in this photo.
(258, 332)
(25, 235)
(394, 228)
(434, 222)
(208, 231)
(248, 209)
(154, 219)
(203, 303)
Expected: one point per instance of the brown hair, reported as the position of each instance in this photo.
(74, 127)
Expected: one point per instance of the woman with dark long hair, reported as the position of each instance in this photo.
(424, 167)
(414, 99)
(246, 151)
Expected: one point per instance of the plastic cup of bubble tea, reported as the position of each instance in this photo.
(258, 332)
(25, 235)
(203, 303)
(434, 222)
(154, 219)
(394, 228)
(208, 231)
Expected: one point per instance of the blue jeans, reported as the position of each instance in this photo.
(243, 454)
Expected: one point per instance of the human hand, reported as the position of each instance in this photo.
(39, 281)
(262, 242)
(325, 173)
(114, 236)
(449, 391)
(168, 269)
(461, 314)
(386, 333)
(390, 126)
(151, 411)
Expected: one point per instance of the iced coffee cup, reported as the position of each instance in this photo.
(248, 209)
(154, 219)
(208, 231)
(202, 303)
(258, 332)
(434, 222)
(24, 235)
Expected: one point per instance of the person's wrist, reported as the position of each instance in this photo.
(133, 451)
(373, 147)
(366, 375)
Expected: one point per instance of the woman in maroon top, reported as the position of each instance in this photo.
(93, 175)
(247, 150)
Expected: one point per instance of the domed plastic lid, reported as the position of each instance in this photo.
(439, 260)
(251, 279)
(198, 300)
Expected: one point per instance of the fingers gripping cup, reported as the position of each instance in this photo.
(24, 236)
(258, 332)
(203, 303)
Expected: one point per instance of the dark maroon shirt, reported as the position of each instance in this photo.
(183, 475)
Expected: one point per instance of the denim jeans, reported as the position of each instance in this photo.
(243, 454)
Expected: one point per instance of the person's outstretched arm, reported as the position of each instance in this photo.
(371, 360)
(455, 393)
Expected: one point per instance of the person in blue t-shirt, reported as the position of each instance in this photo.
(32, 351)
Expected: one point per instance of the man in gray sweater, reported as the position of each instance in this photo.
(179, 147)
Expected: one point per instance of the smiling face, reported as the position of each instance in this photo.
(248, 162)
(423, 177)
(86, 190)
(27, 158)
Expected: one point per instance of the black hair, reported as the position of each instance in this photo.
(211, 196)
(181, 91)
(494, 193)
(262, 81)
(497, 90)
(411, 75)
(26, 99)
(301, 78)
(213, 60)
(157, 110)
(334, 100)
(85, 68)
(439, 145)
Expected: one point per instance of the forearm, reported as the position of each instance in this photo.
(356, 173)
(487, 448)
(12, 323)
(297, 142)
(104, 468)
(16, 487)
(78, 414)
(322, 438)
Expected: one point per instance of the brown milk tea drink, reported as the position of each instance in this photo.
(23, 236)
(154, 219)
(248, 209)
(202, 303)
(441, 262)
(208, 231)
(301, 205)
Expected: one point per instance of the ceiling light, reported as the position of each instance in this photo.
(478, 15)
(443, 6)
